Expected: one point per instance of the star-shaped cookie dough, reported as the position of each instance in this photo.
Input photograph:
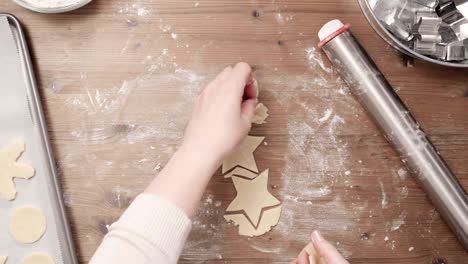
(241, 172)
(252, 196)
(243, 156)
(269, 219)
(261, 114)
(9, 169)
(3, 259)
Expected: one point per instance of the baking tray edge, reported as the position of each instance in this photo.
(35, 106)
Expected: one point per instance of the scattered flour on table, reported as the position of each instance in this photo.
(279, 18)
(136, 9)
(315, 59)
(402, 173)
(384, 195)
(103, 121)
(155, 141)
(396, 223)
(317, 157)
(67, 199)
(101, 100)
(208, 229)
(326, 115)
(121, 197)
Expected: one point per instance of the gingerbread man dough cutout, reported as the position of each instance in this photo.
(10, 169)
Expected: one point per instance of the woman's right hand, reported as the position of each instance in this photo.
(221, 119)
(223, 113)
(324, 249)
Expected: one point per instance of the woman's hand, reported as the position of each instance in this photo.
(221, 119)
(324, 249)
(223, 113)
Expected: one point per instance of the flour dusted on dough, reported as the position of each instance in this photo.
(269, 219)
(252, 196)
(261, 114)
(37, 258)
(27, 224)
(239, 171)
(51, 3)
(243, 156)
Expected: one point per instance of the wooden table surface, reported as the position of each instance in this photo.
(118, 79)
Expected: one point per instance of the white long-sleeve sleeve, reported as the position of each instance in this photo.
(151, 231)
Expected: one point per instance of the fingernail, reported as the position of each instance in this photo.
(317, 237)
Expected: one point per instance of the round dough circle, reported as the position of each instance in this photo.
(37, 258)
(27, 224)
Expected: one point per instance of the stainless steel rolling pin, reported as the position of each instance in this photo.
(376, 95)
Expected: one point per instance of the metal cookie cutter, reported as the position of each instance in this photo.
(462, 7)
(443, 2)
(456, 51)
(460, 28)
(449, 12)
(427, 25)
(392, 14)
(440, 51)
(426, 48)
(407, 11)
(447, 33)
(428, 22)
(434, 38)
(400, 29)
(428, 3)
(465, 42)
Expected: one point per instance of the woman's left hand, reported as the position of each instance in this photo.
(325, 250)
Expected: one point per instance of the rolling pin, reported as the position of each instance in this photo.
(383, 105)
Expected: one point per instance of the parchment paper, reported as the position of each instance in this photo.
(16, 121)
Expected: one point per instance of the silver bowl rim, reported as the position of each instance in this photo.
(52, 10)
(401, 46)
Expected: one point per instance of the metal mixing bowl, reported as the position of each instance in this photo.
(61, 9)
(396, 43)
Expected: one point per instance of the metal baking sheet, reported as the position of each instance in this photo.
(21, 117)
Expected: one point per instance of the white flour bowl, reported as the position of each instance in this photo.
(52, 6)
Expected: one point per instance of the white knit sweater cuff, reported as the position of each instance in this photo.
(157, 221)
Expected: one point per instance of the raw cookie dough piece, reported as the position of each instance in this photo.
(269, 219)
(252, 196)
(37, 258)
(261, 114)
(239, 171)
(27, 224)
(3, 259)
(243, 156)
(314, 258)
(9, 169)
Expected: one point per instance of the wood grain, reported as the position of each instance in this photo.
(118, 78)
